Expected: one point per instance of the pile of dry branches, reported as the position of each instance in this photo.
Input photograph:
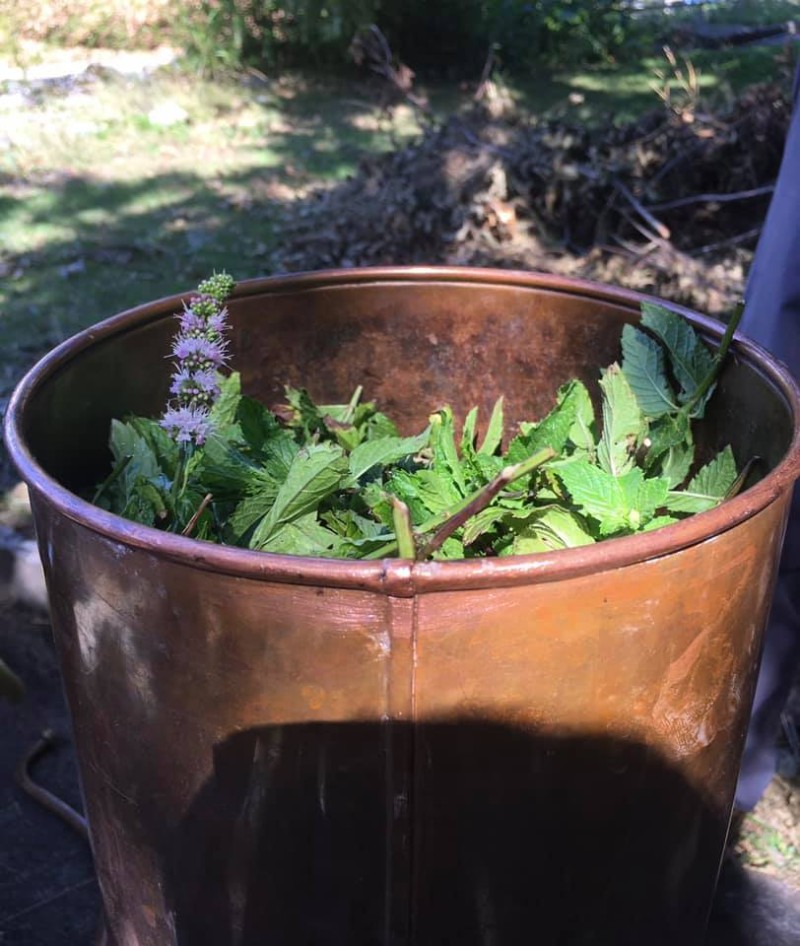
(671, 203)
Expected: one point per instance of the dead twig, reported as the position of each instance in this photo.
(371, 49)
(713, 198)
(730, 241)
(660, 228)
(486, 72)
(200, 510)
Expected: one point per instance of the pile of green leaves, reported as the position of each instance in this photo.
(340, 481)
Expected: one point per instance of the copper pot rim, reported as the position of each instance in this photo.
(395, 576)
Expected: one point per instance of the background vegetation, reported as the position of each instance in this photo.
(448, 36)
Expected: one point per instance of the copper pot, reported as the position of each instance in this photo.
(298, 751)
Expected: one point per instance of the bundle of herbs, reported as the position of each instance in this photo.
(338, 480)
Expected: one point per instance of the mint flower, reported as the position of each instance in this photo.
(200, 350)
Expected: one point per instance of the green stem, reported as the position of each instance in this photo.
(112, 477)
(704, 386)
(351, 407)
(403, 529)
(481, 499)
(739, 482)
(181, 477)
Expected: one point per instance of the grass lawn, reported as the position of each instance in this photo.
(103, 206)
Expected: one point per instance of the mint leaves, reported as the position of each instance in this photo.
(339, 480)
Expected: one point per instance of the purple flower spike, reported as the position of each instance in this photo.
(187, 424)
(191, 322)
(200, 349)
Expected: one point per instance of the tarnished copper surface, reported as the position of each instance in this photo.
(295, 751)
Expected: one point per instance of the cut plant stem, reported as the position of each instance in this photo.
(483, 497)
(403, 529)
(739, 482)
(719, 359)
(353, 404)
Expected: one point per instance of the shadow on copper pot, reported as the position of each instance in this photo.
(303, 834)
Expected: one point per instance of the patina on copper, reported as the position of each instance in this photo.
(296, 751)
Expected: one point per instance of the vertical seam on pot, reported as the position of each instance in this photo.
(413, 764)
(400, 754)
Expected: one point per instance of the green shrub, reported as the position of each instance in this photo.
(454, 36)
(231, 34)
(446, 37)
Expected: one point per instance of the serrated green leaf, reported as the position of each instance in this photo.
(315, 473)
(624, 425)
(377, 502)
(302, 536)
(596, 493)
(482, 523)
(468, 433)
(258, 425)
(644, 367)
(488, 466)
(349, 524)
(675, 463)
(228, 474)
(618, 503)
(643, 495)
(223, 412)
(164, 448)
(581, 433)
(569, 417)
(659, 522)
(307, 419)
(446, 461)
(138, 488)
(667, 432)
(378, 424)
(689, 358)
(452, 549)
(717, 476)
(548, 529)
(494, 432)
(126, 441)
(383, 452)
(247, 513)
(426, 492)
(145, 503)
(383, 545)
(708, 488)
(280, 456)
